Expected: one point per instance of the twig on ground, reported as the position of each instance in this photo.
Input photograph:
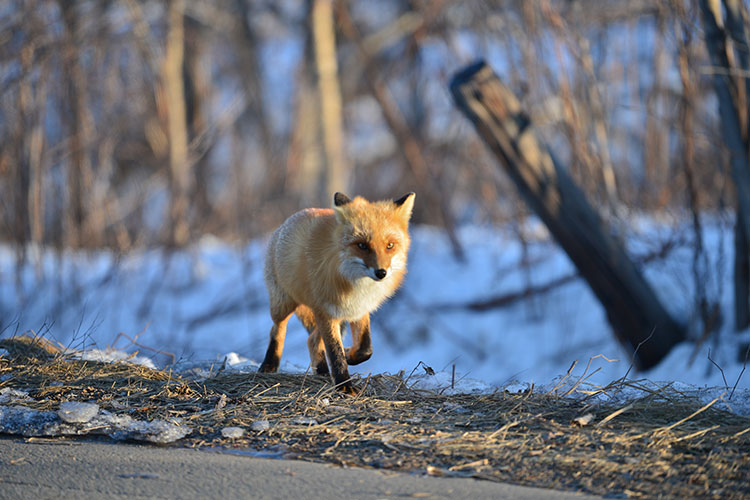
(583, 376)
(719, 367)
(614, 414)
(562, 380)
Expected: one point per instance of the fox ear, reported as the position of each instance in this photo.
(404, 205)
(340, 200)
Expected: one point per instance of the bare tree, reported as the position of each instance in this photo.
(730, 69)
(77, 110)
(254, 122)
(197, 92)
(173, 93)
(305, 160)
(324, 35)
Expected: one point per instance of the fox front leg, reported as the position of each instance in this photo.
(330, 330)
(361, 348)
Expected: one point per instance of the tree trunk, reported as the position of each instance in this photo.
(177, 131)
(197, 84)
(741, 276)
(324, 36)
(732, 97)
(638, 318)
(79, 123)
(305, 159)
(255, 113)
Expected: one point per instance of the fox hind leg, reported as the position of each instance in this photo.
(281, 310)
(317, 353)
(314, 341)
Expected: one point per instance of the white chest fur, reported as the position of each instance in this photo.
(364, 298)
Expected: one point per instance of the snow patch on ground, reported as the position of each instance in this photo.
(30, 422)
(9, 395)
(110, 355)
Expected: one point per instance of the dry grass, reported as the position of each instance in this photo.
(662, 444)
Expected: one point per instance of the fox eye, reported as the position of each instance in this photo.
(362, 246)
(389, 246)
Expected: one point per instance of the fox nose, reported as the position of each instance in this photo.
(380, 273)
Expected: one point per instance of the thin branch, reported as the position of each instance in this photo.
(719, 367)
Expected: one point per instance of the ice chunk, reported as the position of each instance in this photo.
(8, 395)
(260, 425)
(29, 422)
(305, 421)
(232, 432)
(156, 431)
(74, 412)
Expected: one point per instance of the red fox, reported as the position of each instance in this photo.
(333, 266)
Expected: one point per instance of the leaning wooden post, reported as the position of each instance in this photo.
(638, 319)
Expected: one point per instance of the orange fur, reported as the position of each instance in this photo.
(332, 266)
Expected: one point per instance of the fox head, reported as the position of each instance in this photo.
(373, 236)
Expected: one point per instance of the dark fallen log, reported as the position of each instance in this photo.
(638, 319)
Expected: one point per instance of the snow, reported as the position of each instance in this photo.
(30, 422)
(444, 383)
(206, 307)
(110, 355)
(9, 395)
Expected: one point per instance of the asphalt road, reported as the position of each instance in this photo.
(89, 470)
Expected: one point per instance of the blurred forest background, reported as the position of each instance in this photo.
(127, 124)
